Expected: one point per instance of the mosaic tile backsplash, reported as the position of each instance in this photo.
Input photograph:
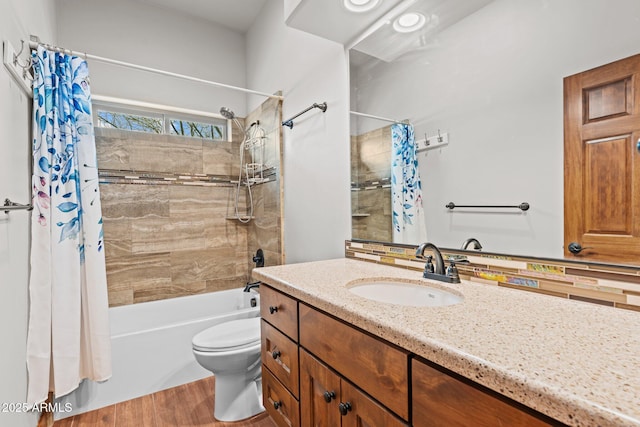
(615, 286)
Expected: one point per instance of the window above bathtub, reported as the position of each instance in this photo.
(138, 116)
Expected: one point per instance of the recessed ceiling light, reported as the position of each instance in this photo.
(408, 22)
(360, 6)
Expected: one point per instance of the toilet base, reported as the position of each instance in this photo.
(236, 400)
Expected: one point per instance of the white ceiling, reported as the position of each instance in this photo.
(238, 15)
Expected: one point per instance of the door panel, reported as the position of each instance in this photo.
(608, 100)
(319, 393)
(602, 162)
(608, 182)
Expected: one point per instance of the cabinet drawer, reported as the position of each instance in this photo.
(279, 310)
(281, 406)
(377, 367)
(440, 399)
(280, 355)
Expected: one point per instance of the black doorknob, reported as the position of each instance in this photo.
(275, 354)
(273, 309)
(344, 408)
(277, 404)
(576, 248)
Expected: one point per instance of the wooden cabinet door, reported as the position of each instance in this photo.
(442, 400)
(359, 410)
(602, 162)
(378, 368)
(319, 393)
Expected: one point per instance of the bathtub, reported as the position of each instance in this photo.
(151, 346)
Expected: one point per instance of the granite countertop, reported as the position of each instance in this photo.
(576, 362)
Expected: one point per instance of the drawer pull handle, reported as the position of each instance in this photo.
(328, 395)
(275, 354)
(344, 408)
(277, 404)
(273, 309)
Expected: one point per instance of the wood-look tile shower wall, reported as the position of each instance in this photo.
(170, 237)
(370, 185)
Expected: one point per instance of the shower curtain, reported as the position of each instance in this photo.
(406, 190)
(68, 337)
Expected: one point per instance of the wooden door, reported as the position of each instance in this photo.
(602, 163)
(319, 393)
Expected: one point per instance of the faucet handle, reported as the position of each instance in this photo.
(452, 272)
(428, 267)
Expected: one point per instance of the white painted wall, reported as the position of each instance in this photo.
(494, 83)
(155, 37)
(316, 170)
(18, 19)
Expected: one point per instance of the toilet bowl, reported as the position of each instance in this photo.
(231, 351)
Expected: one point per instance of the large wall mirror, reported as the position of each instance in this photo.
(489, 75)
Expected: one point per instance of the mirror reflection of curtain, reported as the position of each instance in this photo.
(406, 189)
(68, 338)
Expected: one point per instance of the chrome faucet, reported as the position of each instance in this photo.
(437, 272)
(439, 267)
(476, 244)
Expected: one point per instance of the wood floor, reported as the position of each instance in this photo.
(186, 405)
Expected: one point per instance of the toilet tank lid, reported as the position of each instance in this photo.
(235, 333)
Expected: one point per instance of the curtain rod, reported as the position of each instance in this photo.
(104, 99)
(34, 44)
(384, 119)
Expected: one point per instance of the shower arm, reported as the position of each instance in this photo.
(289, 123)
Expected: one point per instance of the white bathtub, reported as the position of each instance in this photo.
(151, 346)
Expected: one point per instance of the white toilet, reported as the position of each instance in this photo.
(231, 350)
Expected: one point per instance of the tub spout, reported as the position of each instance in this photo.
(250, 286)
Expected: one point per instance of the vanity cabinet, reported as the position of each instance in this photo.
(306, 353)
(321, 371)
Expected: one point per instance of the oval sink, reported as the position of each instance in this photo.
(403, 293)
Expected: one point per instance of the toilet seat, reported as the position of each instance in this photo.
(232, 335)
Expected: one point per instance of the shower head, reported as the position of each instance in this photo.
(227, 113)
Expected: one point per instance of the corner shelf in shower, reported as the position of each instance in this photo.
(360, 215)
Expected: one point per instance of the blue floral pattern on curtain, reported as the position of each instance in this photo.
(406, 188)
(68, 321)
